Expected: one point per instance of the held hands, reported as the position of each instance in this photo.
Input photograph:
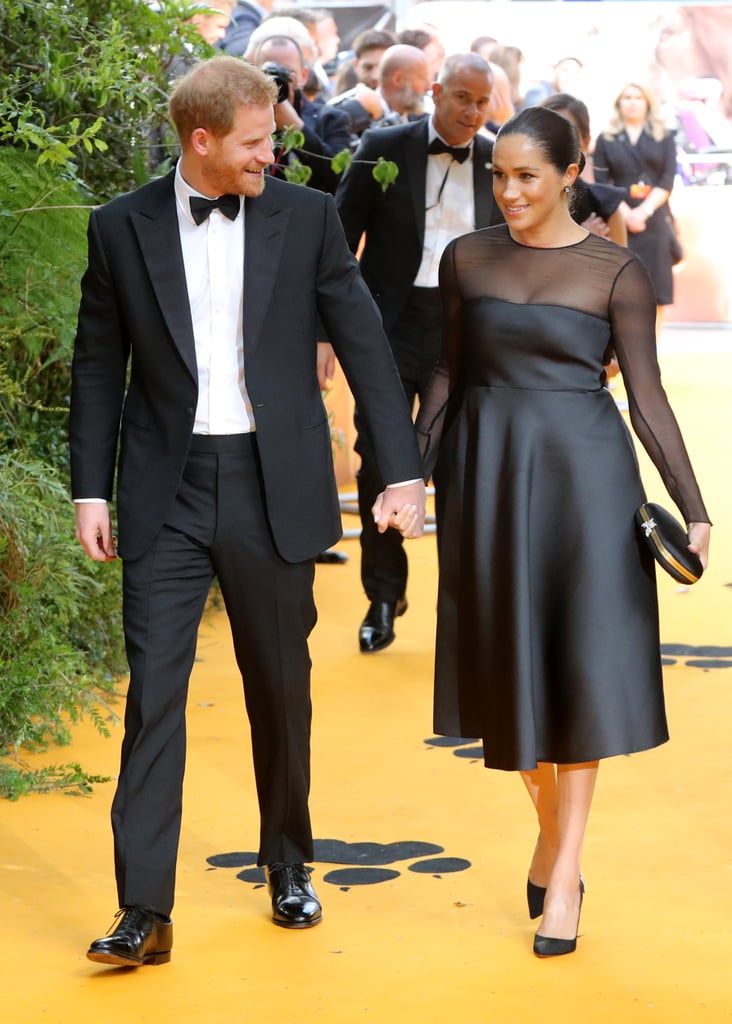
(699, 534)
(402, 508)
(94, 530)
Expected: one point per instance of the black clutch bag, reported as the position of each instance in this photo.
(668, 542)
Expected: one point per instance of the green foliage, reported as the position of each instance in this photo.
(42, 252)
(17, 779)
(290, 138)
(84, 85)
(57, 661)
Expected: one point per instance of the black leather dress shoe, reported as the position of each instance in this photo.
(377, 629)
(294, 903)
(331, 557)
(141, 937)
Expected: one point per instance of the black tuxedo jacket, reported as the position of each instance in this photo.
(134, 319)
(393, 220)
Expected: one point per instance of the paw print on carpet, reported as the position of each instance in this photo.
(365, 863)
(705, 657)
(472, 749)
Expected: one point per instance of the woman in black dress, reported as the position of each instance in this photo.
(639, 154)
(541, 569)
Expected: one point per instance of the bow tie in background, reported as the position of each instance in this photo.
(201, 208)
(459, 153)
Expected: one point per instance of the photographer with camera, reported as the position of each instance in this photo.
(327, 130)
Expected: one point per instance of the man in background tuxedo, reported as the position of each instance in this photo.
(404, 78)
(225, 467)
(443, 189)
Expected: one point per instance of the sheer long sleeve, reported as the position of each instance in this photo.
(632, 309)
(433, 408)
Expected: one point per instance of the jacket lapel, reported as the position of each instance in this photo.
(415, 164)
(264, 236)
(156, 226)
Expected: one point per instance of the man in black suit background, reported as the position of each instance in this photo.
(245, 18)
(326, 130)
(443, 189)
(225, 467)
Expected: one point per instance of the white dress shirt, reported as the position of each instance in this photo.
(449, 208)
(213, 257)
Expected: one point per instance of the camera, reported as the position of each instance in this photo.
(282, 77)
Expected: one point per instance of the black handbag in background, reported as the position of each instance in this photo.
(677, 249)
(668, 542)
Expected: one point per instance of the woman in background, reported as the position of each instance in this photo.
(638, 153)
(596, 207)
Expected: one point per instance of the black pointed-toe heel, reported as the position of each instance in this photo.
(546, 946)
(535, 898)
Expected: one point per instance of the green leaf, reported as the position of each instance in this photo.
(290, 138)
(297, 172)
(385, 172)
(341, 161)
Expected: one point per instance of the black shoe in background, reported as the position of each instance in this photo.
(377, 629)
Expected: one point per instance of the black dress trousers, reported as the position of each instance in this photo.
(217, 526)
(415, 340)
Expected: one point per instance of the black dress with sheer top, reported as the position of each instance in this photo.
(547, 635)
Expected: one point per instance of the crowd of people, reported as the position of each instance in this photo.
(492, 283)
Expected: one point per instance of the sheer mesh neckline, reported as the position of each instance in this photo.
(548, 248)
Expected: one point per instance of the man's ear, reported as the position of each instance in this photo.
(303, 76)
(199, 141)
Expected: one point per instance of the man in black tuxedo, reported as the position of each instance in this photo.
(444, 189)
(225, 467)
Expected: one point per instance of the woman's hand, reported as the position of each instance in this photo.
(699, 534)
(402, 511)
(635, 221)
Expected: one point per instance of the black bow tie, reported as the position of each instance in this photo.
(459, 153)
(228, 204)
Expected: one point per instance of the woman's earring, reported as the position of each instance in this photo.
(566, 188)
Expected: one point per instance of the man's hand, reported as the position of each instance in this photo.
(369, 99)
(94, 530)
(286, 116)
(402, 508)
(325, 364)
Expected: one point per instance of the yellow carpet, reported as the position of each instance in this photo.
(451, 941)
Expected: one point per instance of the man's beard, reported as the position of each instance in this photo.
(410, 100)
